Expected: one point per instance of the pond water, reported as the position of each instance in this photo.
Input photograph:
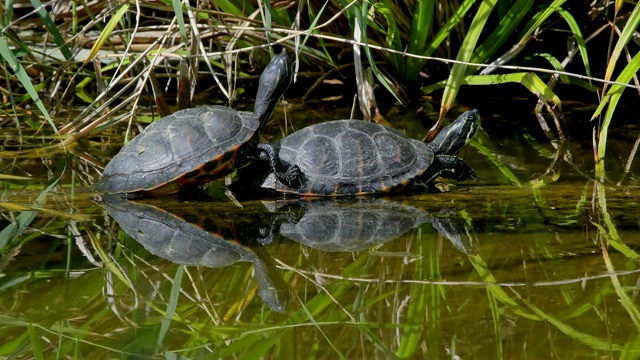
(534, 260)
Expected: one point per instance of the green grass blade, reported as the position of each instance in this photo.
(106, 32)
(540, 17)
(392, 39)
(25, 80)
(418, 304)
(611, 99)
(266, 22)
(8, 12)
(479, 142)
(445, 31)
(590, 340)
(631, 349)
(36, 342)
(177, 8)
(18, 341)
(498, 292)
(172, 304)
(421, 23)
(464, 54)
(229, 7)
(625, 301)
(610, 233)
(497, 323)
(321, 41)
(556, 65)
(314, 22)
(10, 233)
(502, 32)
(575, 29)
(360, 13)
(52, 29)
(529, 80)
(627, 33)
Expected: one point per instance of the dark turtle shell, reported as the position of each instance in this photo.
(187, 147)
(194, 146)
(353, 157)
(350, 157)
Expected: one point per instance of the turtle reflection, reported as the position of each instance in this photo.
(168, 236)
(353, 224)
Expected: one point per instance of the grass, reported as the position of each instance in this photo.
(114, 63)
(454, 44)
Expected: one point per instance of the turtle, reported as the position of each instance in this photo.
(354, 157)
(215, 243)
(196, 145)
(333, 224)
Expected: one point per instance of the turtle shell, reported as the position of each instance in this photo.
(190, 146)
(351, 157)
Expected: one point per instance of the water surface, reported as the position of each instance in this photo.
(535, 260)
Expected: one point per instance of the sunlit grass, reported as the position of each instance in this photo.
(411, 39)
(414, 303)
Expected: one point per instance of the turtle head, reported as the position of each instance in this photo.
(273, 83)
(455, 136)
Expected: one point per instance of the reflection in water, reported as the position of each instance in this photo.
(168, 236)
(552, 266)
(554, 273)
(354, 224)
(326, 224)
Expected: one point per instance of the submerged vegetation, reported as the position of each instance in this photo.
(543, 271)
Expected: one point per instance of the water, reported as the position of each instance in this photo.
(520, 264)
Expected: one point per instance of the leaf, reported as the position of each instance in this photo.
(556, 65)
(10, 233)
(421, 23)
(177, 8)
(611, 99)
(25, 80)
(106, 32)
(529, 80)
(464, 54)
(627, 33)
(575, 29)
(540, 17)
(172, 304)
(53, 29)
(502, 32)
(313, 24)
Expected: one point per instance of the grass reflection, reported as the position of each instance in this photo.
(552, 273)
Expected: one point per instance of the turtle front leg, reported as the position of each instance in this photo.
(448, 166)
(286, 174)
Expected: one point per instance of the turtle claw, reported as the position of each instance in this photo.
(291, 176)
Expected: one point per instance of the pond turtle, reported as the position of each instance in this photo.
(196, 145)
(352, 157)
(213, 242)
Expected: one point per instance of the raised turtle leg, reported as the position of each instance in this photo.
(287, 174)
(448, 166)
